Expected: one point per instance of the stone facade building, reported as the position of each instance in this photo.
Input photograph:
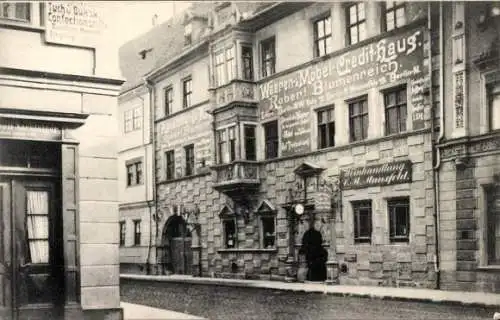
(58, 181)
(297, 141)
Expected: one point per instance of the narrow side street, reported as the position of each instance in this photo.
(221, 302)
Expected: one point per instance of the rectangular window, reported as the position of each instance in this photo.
(362, 221)
(15, 11)
(356, 22)
(134, 173)
(247, 62)
(271, 139)
(122, 233)
(188, 31)
(494, 107)
(268, 232)
(133, 119)
(268, 57)
(493, 224)
(137, 232)
(399, 219)
(186, 93)
(169, 100)
(323, 36)
(229, 233)
(230, 63)
(395, 15)
(232, 144)
(250, 145)
(358, 119)
(170, 165)
(37, 226)
(326, 128)
(189, 151)
(222, 146)
(219, 68)
(395, 111)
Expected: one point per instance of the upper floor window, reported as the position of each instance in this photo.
(189, 153)
(494, 106)
(133, 119)
(250, 142)
(362, 221)
(356, 22)
(225, 66)
(170, 165)
(230, 63)
(226, 145)
(229, 226)
(15, 11)
(326, 128)
(268, 57)
(395, 110)
(399, 219)
(186, 92)
(122, 233)
(188, 31)
(395, 15)
(137, 232)
(358, 119)
(271, 139)
(169, 100)
(247, 62)
(219, 67)
(323, 36)
(134, 173)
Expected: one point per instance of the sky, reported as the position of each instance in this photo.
(129, 19)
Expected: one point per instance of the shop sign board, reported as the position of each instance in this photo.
(23, 129)
(398, 58)
(376, 175)
(74, 23)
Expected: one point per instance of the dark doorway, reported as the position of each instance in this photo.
(176, 241)
(316, 256)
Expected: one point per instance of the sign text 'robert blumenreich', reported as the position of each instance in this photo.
(388, 60)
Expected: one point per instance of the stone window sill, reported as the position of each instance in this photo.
(489, 268)
(248, 250)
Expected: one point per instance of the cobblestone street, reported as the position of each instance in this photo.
(220, 302)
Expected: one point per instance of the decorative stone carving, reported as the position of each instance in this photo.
(459, 99)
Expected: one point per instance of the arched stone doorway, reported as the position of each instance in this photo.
(176, 243)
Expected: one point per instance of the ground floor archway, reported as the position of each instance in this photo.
(176, 256)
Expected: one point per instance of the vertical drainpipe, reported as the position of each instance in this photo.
(436, 155)
(152, 216)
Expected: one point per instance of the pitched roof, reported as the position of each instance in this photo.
(165, 41)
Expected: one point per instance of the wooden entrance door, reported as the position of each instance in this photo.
(5, 253)
(182, 256)
(37, 263)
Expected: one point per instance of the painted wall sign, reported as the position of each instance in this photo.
(73, 23)
(11, 128)
(390, 60)
(376, 175)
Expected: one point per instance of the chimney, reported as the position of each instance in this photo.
(155, 20)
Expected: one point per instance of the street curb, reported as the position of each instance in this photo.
(270, 286)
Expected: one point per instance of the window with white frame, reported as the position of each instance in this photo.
(137, 232)
(268, 57)
(169, 164)
(226, 144)
(323, 36)
(358, 119)
(189, 157)
(399, 219)
(219, 67)
(326, 127)
(362, 214)
(134, 173)
(133, 119)
(169, 100)
(494, 106)
(230, 63)
(187, 92)
(271, 137)
(356, 22)
(224, 66)
(18, 11)
(395, 15)
(247, 62)
(395, 110)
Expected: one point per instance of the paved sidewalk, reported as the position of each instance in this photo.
(139, 312)
(410, 294)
